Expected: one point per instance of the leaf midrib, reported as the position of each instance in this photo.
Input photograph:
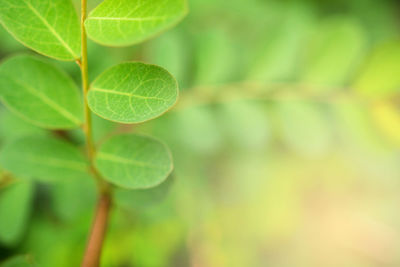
(68, 164)
(52, 30)
(108, 91)
(116, 158)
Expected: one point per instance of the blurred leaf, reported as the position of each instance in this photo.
(139, 199)
(132, 92)
(18, 261)
(381, 75)
(15, 208)
(387, 118)
(52, 244)
(161, 239)
(277, 54)
(44, 158)
(12, 127)
(356, 127)
(133, 161)
(40, 93)
(73, 198)
(50, 28)
(215, 57)
(197, 129)
(126, 22)
(304, 128)
(175, 61)
(334, 52)
(146, 240)
(8, 44)
(380, 17)
(246, 123)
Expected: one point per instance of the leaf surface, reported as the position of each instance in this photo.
(43, 158)
(15, 206)
(133, 161)
(132, 93)
(48, 27)
(126, 22)
(40, 93)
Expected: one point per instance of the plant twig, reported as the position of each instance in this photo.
(83, 63)
(99, 227)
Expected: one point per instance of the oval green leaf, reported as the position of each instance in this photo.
(43, 158)
(48, 27)
(132, 93)
(15, 206)
(126, 22)
(133, 161)
(40, 93)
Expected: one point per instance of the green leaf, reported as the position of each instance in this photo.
(15, 206)
(133, 161)
(198, 130)
(13, 127)
(48, 27)
(304, 128)
(334, 53)
(73, 198)
(380, 76)
(126, 22)
(132, 93)
(43, 158)
(178, 58)
(40, 93)
(274, 56)
(248, 133)
(216, 57)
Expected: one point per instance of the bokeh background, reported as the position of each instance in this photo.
(285, 141)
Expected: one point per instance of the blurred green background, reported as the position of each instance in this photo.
(285, 140)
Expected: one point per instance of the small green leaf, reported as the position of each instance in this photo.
(126, 22)
(132, 93)
(43, 158)
(40, 93)
(15, 206)
(133, 161)
(48, 27)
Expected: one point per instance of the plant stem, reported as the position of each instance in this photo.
(87, 127)
(93, 250)
(99, 227)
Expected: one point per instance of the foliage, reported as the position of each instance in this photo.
(43, 95)
(287, 127)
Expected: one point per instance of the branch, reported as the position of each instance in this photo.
(97, 233)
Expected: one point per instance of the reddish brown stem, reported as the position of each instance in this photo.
(98, 232)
